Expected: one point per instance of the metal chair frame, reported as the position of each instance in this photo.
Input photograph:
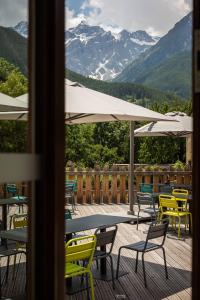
(146, 199)
(156, 230)
(70, 188)
(105, 236)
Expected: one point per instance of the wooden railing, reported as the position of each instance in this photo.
(110, 185)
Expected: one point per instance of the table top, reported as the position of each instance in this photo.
(18, 235)
(94, 221)
(13, 200)
(188, 197)
(75, 225)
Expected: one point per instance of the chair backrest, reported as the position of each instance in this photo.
(168, 201)
(145, 199)
(157, 230)
(81, 248)
(20, 221)
(146, 188)
(71, 185)
(106, 236)
(11, 189)
(68, 215)
(165, 188)
(181, 197)
(180, 192)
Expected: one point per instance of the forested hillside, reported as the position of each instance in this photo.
(137, 93)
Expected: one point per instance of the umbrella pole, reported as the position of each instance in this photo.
(131, 171)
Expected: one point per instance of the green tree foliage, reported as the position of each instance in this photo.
(132, 92)
(13, 134)
(161, 150)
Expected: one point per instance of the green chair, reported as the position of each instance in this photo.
(146, 188)
(70, 189)
(78, 249)
(12, 190)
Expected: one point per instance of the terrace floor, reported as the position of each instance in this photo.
(131, 286)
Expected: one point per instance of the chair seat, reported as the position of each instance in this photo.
(98, 253)
(139, 246)
(19, 197)
(150, 210)
(9, 252)
(71, 268)
(175, 213)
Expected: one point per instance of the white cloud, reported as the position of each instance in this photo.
(12, 12)
(155, 16)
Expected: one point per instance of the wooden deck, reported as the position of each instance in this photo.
(131, 286)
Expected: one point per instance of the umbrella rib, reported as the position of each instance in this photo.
(21, 116)
(114, 117)
(78, 116)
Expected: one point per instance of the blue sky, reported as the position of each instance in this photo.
(157, 17)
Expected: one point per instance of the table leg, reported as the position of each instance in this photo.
(190, 210)
(104, 273)
(4, 222)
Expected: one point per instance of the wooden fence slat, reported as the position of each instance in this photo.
(114, 186)
(88, 188)
(123, 198)
(97, 186)
(105, 186)
(80, 186)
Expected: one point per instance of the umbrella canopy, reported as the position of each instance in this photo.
(8, 103)
(183, 128)
(83, 105)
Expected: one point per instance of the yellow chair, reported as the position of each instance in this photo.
(19, 221)
(179, 194)
(77, 249)
(169, 207)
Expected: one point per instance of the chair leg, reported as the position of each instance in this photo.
(179, 227)
(88, 289)
(164, 257)
(14, 266)
(138, 219)
(97, 263)
(144, 274)
(112, 271)
(118, 260)
(91, 285)
(136, 263)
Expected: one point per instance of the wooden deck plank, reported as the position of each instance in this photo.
(131, 286)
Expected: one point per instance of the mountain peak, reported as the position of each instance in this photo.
(22, 28)
(102, 54)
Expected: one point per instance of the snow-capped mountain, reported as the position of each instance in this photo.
(100, 54)
(22, 28)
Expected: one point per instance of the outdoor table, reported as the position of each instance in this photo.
(17, 235)
(87, 223)
(9, 201)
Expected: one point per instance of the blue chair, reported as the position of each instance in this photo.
(70, 189)
(13, 191)
(146, 188)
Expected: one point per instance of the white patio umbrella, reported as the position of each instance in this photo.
(8, 103)
(183, 128)
(83, 105)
